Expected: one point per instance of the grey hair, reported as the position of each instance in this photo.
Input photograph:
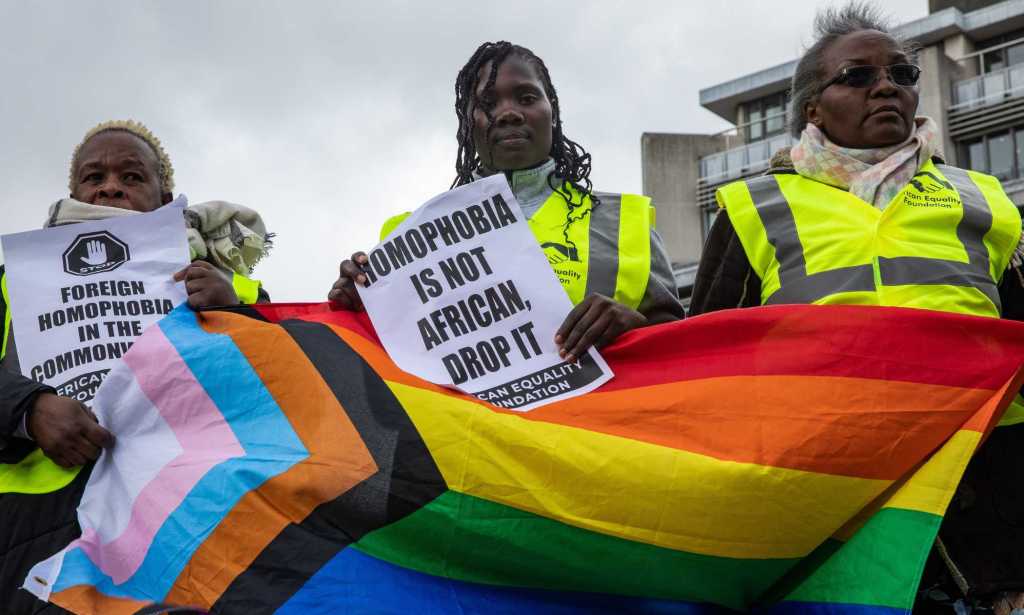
(139, 130)
(830, 24)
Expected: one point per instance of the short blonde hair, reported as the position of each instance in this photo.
(139, 130)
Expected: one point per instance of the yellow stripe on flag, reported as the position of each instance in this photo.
(931, 487)
(631, 489)
(927, 490)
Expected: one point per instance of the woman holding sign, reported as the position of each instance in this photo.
(602, 246)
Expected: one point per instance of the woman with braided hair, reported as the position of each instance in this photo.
(602, 246)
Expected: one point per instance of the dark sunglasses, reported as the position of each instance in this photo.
(904, 75)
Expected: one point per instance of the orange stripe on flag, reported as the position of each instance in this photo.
(826, 424)
(87, 599)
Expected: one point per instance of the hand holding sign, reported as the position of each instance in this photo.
(206, 285)
(597, 321)
(344, 292)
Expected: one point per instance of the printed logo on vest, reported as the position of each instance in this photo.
(94, 253)
(565, 261)
(559, 253)
(929, 183)
(930, 190)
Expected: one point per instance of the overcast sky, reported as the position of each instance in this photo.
(327, 117)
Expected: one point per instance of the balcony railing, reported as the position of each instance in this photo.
(743, 160)
(988, 89)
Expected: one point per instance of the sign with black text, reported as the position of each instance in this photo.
(461, 295)
(81, 293)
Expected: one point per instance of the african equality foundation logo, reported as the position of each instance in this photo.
(929, 183)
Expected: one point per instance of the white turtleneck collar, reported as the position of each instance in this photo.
(530, 186)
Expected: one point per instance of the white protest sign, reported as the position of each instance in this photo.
(81, 293)
(461, 295)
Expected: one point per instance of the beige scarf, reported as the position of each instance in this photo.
(232, 237)
(873, 175)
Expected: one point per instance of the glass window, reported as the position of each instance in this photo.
(1017, 79)
(1000, 156)
(734, 161)
(757, 153)
(765, 116)
(994, 61)
(775, 120)
(968, 91)
(976, 159)
(756, 128)
(1020, 152)
(1015, 54)
(995, 86)
(712, 165)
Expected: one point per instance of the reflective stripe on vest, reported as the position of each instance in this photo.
(609, 249)
(629, 222)
(796, 286)
(978, 231)
(7, 315)
(602, 244)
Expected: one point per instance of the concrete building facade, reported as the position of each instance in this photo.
(972, 84)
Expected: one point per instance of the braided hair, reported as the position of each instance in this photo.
(572, 162)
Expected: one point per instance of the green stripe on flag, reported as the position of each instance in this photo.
(476, 540)
(880, 566)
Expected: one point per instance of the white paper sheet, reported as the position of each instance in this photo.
(461, 295)
(81, 293)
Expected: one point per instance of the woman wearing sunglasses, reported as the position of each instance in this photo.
(863, 211)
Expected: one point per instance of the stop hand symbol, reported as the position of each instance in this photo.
(96, 253)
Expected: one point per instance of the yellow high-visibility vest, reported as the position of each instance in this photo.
(606, 251)
(943, 242)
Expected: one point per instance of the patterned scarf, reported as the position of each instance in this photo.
(873, 175)
(232, 237)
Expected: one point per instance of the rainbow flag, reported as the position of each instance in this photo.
(791, 459)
